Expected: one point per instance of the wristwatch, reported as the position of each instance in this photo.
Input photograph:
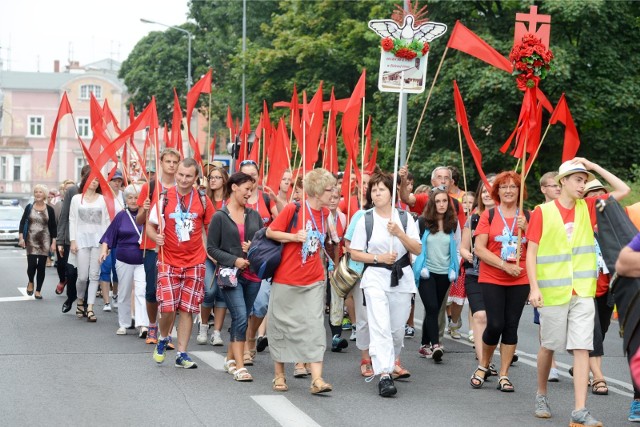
(375, 259)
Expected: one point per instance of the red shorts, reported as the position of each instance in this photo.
(180, 288)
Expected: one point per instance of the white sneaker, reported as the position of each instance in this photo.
(114, 301)
(216, 339)
(554, 377)
(121, 331)
(202, 334)
(107, 307)
(142, 333)
(353, 334)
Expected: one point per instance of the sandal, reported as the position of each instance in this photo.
(280, 383)
(248, 357)
(492, 372)
(399, 372)
(81, 310)
(229, 366)
(476, 380)
(599, 387)
(320, 386)
(300, 371)
(91, 317)
(242, 375)
(365, 368)
(505, 385)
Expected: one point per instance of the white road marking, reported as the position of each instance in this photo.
(211, 358)
(284, 412)
(24, 296)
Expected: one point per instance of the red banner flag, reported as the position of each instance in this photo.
(571, 139)
(63, 109)
(465, 40)
(176, 122)
(202, 86)
(280, 158)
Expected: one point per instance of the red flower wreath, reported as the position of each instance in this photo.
(531, 61)
(404, 49)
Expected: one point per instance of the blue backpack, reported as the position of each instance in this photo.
(265, 254)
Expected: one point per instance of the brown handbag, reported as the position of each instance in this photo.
(343, 278)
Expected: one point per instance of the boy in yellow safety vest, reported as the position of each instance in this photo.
(562, 270)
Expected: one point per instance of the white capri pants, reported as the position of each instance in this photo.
(88, 268)
(387, 313)
(362, 325)
(131, 275)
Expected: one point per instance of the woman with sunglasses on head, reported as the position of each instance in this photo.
(217, 192)
(228, 240)
(436, 266)
(502, 276)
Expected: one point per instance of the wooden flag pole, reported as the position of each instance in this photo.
(464, 175)
(396, 157)
(361, 192)
(521, 205)
(535, 155)
(424, 109)
(208, 153)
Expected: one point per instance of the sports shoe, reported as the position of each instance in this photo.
(184, 361)
(437, 353)
(346, 324)
(582, 417)
(409, 331)
(114, 301)
(634, 411)
(170, 345)
(202, 334)
(542, 406)
(143, 332)
(470, 336)
(160, 350)
(211, 319)
(425, 351)
(353, 333)
(107, 307)
(515, 358)
(121, 331)
(554, 376)
(262, 343)
(386, 388)
(338, 343)
(216, 339)
(152, 335)
(454, 331)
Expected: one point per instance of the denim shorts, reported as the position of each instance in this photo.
(108, 268)
(261, 304)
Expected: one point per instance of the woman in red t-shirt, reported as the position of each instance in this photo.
(502, 277)
(296, 308)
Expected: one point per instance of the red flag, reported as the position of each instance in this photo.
(165, 135)
(202, 86)
(526, 127)
(109, 117)
(371, 164)
(465, 40)
(294, 121)
(279, 161)
(229, 119)
(461, 118)
(244, 138)
(63, 109)
(571, 139)
(350, 123)
(313, 121)
(176, 122)
(331, 146)
(212, 149)
(104, 185)
(367, 145)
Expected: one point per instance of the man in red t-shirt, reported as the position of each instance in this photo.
(178, 228)
(565, 326)
(169, 159)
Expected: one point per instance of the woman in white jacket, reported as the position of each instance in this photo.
(387, 281)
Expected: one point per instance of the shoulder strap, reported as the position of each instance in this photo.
(492, 213)
(203, 200)
(527, 215)
(267, 201)
(403, 219)
(152, 187)
(294, 219)
(456, 205)
(368, 225)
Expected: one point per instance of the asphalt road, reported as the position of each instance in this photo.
(61, 371)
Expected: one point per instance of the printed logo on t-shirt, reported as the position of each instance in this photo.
(312, 245)
(509, 244)
(184, 223)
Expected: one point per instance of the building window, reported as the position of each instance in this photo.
(3, 167)
(16, 167)
(84, 128)
(36, 126)
(80, 162)
(85, 91)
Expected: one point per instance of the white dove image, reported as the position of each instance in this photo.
(425, 32)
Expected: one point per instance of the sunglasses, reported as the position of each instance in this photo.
(248, 162)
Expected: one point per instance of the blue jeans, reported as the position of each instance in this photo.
(212, 292)
(239, 302)
(151, 275)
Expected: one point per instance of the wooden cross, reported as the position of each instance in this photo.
(543, 31)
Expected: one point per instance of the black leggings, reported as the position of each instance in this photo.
(36, 263)
(503, 305)
(432, 292)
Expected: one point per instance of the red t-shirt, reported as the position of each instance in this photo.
(185, 253)
(148, 243)
(494, 275)
(349, 208)
(292, 269)
(423, 198)
(534, 231)
(218, 204)
(262, 209)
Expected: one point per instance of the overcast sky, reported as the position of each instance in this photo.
(34, 33)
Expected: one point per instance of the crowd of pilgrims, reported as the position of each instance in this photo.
(177, 248)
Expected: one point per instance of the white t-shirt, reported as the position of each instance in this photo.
(88, 221)
(379, 244)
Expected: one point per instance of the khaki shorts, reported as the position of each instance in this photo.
(568, 326)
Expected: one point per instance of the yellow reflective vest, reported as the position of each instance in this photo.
(564, 265)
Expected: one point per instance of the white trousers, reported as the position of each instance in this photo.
(387, 314)
(88, 268)
(362, 325)
(131, 276)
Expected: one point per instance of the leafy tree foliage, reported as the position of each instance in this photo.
(302, 42)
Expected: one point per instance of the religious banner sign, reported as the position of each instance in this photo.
(404, 51)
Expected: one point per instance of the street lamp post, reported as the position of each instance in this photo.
(189, 37)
